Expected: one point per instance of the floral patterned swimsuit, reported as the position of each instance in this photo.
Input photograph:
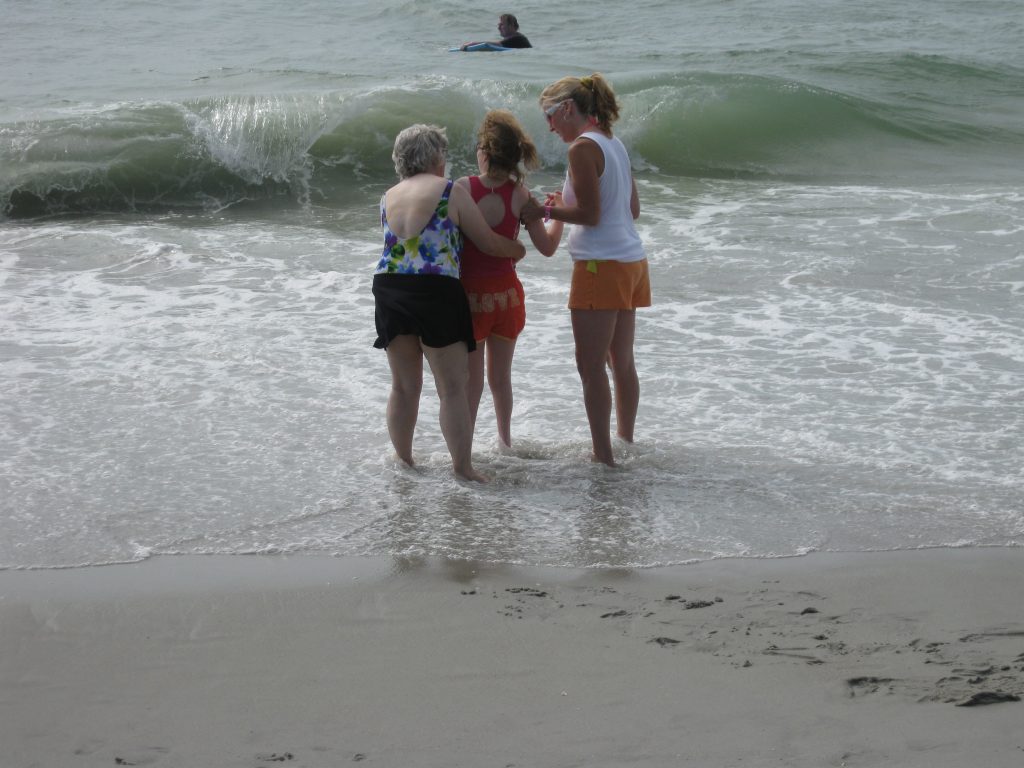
(434, 251)
(416, 287)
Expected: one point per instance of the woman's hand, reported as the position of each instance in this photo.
(534, 211)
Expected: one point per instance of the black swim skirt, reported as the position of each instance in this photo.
(433, 307)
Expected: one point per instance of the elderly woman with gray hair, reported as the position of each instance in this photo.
(420, 305)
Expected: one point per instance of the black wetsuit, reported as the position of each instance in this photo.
(516, 40)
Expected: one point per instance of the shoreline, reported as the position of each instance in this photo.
(907, 658)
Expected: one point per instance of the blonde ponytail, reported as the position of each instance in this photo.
(593, 96)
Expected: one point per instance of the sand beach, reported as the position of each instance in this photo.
(874, 659)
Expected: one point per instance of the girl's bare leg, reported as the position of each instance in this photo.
(475, 386)
(499, 379)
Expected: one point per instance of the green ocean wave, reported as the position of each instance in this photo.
(300, 148)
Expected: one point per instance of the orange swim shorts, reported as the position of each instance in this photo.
(610, 285)
(498, 306)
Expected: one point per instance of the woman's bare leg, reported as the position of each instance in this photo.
(451, 372)
(593, 330)
(405, 358)
(627, 383)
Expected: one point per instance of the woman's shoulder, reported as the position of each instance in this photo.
(417, 192)
(590, 141)
(586, 151)
(594, 138)
(419, 184)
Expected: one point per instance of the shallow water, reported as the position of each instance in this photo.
(831, 211)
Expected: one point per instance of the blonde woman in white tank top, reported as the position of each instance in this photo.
(610, 275)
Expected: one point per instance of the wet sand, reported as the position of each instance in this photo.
(883, 659)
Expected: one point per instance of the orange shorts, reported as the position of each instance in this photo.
(498, 305)
(610, 285)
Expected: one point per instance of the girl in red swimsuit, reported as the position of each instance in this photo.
(496, 300)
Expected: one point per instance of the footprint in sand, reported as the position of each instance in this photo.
(146, 756)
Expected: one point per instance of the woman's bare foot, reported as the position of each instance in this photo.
(472, 475)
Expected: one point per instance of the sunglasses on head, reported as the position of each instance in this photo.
(550, 111)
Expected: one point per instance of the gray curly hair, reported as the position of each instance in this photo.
(419, 148)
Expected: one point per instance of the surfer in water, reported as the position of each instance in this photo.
(511, 37)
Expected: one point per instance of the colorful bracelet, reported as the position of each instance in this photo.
(547, 213)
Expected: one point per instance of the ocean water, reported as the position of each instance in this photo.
(831, 205)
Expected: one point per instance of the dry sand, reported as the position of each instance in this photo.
(887, 659)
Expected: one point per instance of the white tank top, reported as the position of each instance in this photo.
(614, 237)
